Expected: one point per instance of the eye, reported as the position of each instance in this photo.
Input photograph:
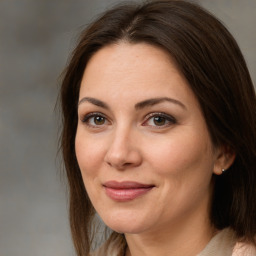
(159, 120)
(95, 120)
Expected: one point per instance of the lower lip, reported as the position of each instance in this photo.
(125, 194)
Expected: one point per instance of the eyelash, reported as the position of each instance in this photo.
(87, 118)
(168, 120)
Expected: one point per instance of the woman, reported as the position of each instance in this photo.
(159, 134)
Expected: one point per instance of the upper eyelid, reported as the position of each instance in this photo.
(163, 114)
(92, 113)
(85, 117)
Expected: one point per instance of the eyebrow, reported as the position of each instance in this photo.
(139, 105)
(154, 101)
(94, 101)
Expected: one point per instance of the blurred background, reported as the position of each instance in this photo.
(36, 38)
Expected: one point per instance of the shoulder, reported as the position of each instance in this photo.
(224, 243)
(243, 249)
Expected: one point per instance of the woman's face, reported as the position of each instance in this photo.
(142, 143)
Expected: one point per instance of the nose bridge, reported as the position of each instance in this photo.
(121, 137)
(123, 148)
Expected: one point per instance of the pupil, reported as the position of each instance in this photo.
(158, 120)
(99, 120)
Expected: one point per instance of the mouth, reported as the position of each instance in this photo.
(126, 190)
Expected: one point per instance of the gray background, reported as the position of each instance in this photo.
(36, 38)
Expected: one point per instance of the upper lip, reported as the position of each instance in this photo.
(126, 185)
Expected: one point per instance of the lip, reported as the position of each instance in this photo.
(126, 190)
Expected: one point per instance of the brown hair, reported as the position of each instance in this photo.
(211, 61)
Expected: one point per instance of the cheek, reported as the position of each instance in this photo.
(184, 170)
(182, 154)
(89, 154)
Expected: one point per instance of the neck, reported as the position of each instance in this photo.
(182, 238)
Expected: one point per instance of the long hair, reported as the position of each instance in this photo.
(212, 63)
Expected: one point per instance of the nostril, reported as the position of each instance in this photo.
(118, 163)
(128, 160)
(122, 153)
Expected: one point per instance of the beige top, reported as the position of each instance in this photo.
(222, 244)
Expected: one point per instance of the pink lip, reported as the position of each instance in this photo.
(126, 190)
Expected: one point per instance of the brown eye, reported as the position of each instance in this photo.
(99, 120)
(159, 120)
(95, 120)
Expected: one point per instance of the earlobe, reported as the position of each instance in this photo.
(225, 158)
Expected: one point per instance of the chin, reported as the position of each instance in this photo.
(126, 228)
(125, 225)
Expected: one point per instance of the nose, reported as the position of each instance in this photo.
(123, 151)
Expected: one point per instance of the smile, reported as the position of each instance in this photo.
(126, 191)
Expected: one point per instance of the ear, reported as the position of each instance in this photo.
(224, 159)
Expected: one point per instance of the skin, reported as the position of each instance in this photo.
(128, 143)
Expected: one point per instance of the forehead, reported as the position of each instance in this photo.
(127, 65)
